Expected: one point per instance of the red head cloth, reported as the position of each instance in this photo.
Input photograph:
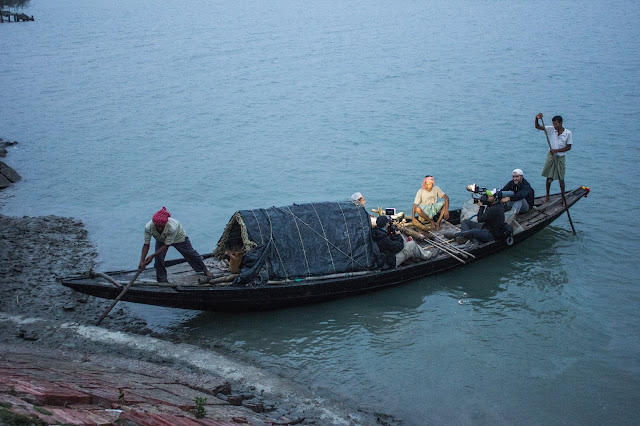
(161, 217)
(427, 179)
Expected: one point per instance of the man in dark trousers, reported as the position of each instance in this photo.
(168, 232)
(389, 243)
(490, 222)
(518, 194)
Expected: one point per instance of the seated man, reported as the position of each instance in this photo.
(518, 194)
(426, 205)
(490, 222)
(394, 248)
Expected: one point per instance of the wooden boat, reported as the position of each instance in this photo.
(184, 289)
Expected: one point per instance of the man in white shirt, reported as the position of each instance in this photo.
(560, 140)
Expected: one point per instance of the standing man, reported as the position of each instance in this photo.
(168, 232)
(426, 205)
(560, 140)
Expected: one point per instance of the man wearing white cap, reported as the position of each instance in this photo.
(518, 194)
(357, 198)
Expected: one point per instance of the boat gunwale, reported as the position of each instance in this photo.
(250, 297)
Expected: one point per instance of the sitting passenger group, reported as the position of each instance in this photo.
(431, 201)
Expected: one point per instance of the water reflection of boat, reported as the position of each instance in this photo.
(302, 254)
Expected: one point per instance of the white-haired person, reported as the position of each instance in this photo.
(518, 194)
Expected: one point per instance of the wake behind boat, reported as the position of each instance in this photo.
(303, 254)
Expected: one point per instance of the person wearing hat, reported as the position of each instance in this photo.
(168, 232)
(490, 222)
(393, 247)
(357, 198)
(518, 194)
(426, 205)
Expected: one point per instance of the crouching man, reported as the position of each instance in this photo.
(167, 233)
(394, 247)
(490, 225)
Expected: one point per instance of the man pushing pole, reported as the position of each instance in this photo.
(559, 140)
(554, 167)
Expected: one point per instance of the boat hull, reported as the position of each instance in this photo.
(273, 296)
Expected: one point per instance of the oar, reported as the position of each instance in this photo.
(566, 206)
(135, 277)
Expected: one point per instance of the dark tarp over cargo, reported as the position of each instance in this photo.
(301, 240)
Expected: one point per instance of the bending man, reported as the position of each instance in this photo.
(168, 232)
(490, 222)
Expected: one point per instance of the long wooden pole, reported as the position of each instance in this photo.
(115, 302)
(564, 200)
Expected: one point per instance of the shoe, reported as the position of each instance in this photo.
(461, 240)
(449, 235)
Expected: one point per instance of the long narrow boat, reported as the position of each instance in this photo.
(271, 288)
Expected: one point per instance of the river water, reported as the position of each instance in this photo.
(207, 107)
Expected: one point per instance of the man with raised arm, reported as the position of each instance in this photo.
(560, 140)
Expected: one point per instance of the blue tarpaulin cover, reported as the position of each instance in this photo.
(303, 240)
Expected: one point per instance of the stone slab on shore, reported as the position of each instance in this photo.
(7, 174)
(58, 387)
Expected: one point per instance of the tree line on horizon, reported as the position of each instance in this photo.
(14, 3)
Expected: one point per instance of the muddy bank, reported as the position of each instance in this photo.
(36, 311)
(40, 316)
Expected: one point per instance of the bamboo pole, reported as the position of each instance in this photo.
(122, 293)
(94, 274)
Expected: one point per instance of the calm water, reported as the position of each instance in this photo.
(208, 107)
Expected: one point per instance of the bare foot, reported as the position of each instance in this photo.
(545, 200)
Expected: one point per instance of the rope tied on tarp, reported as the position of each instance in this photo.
(300, 240)
(326, 239)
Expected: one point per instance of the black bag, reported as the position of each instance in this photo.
(506, 231)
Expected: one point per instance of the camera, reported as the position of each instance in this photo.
(480, 193)
(476, 189)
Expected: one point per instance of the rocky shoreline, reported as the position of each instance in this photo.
(40, 316)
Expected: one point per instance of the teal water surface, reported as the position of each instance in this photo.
(121, 108)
